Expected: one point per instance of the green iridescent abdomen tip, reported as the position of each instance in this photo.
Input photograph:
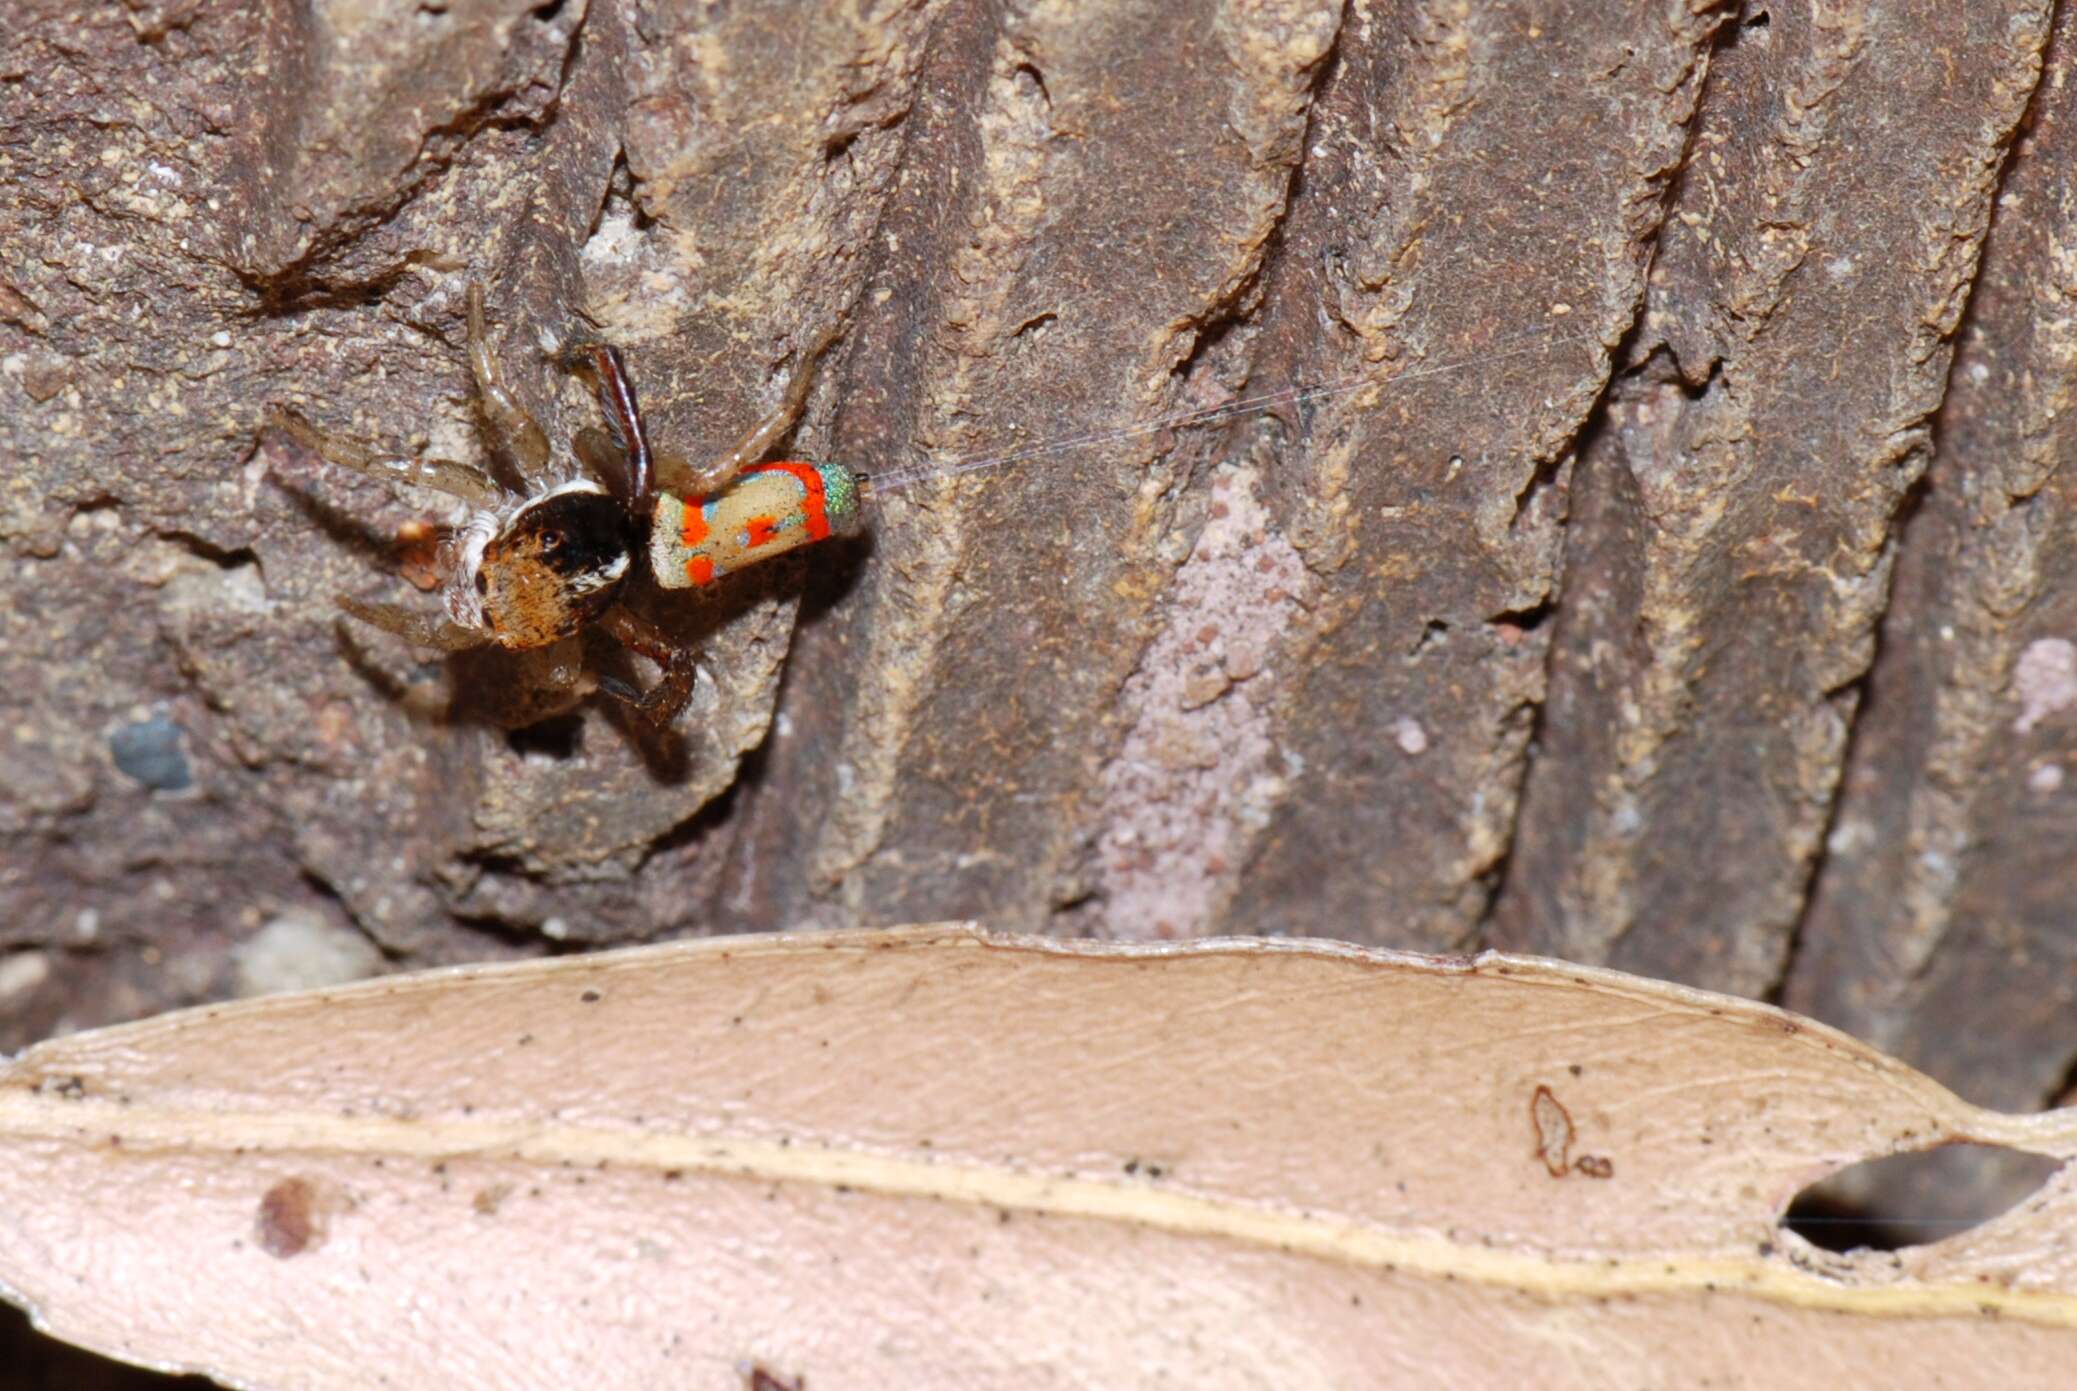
(839, 495)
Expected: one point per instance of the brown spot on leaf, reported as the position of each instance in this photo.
(290, 1222)
(1553, 1131)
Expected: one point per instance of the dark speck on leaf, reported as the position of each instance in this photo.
(590, 997)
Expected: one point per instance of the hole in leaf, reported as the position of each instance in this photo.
(1915, 1199)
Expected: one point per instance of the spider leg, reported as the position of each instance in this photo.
(681, 477)
(464, 481)
(414, 626)
(634, 480)
(604, 460)
(512, 429)
(662, 703)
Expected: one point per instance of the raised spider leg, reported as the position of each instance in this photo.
(604, 459)
(682, 477)
(661, 703)
(631, 476)
(464, 481)
(414, 626)
(512, 430)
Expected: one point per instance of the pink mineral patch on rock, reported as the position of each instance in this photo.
(1197, 773)
(2045, 680)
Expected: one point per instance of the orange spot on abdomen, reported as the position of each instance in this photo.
(695, 530)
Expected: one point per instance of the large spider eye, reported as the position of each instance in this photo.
(581, 536)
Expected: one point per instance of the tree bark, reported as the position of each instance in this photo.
(1653, 549)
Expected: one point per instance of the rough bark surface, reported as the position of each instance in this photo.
(1655, 551)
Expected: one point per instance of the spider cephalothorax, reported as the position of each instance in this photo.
(554, 567)
(528, 567)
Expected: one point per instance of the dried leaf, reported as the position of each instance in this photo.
(927, 1158)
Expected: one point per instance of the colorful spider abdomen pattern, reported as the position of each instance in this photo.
(770, 508)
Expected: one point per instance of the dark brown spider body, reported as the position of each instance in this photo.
(523, 570)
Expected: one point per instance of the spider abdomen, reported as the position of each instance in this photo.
(770, 508)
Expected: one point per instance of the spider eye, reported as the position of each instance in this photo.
(551, 542)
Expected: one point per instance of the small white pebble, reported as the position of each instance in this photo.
(301, 951)
(1411, 738)
(21, 972)
(2046, 778)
